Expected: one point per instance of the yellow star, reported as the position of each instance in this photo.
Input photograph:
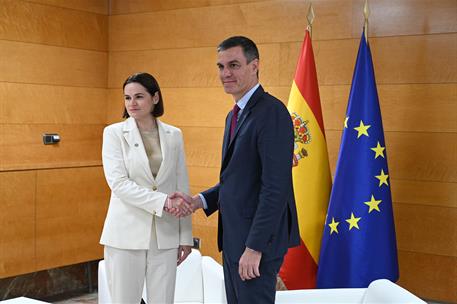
(346, 122)
(373, 204)
(379, 150)
(362, 129)
(333, 226)
(353, 221)
(382, 178)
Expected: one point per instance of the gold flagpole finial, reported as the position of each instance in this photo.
(310, 18)
(366, 13)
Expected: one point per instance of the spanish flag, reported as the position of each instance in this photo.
(311, 172)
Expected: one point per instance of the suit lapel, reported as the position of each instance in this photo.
(226, 141)
(133, 138)
(228, 144)
(164, 136)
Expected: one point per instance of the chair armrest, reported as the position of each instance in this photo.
(384, 291)
(213, 281)
(189, 281)
(320, 296)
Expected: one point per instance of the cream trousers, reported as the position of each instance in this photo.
(127, 269)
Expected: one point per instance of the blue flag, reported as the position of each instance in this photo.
(359, 244)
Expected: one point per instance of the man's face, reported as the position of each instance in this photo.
(237, 76)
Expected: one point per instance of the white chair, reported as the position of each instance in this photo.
(379, 291)
(198, 280)
(22, 300)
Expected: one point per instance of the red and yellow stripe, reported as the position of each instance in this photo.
(311, 177)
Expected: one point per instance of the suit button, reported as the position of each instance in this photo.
(153, 213)
(154, 188)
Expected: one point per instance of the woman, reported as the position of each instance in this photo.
(143, 161)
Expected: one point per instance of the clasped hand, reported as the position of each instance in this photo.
(180, 204)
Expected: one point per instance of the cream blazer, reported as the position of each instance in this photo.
(136, 196)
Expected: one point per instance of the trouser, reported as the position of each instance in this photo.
(261, 290)
(127, 269)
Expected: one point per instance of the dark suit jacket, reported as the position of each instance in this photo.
(255, 195)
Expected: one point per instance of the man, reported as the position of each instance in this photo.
(254, 196)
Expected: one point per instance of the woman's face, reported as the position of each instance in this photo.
(138, 102)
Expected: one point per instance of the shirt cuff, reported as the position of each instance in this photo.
(205, 205)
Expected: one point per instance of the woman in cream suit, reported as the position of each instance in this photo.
(143, 161)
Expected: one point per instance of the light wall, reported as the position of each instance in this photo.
(414, 46)
(53, 77)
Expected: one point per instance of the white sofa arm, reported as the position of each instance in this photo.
(189, 281)
(384, 291)
(213, 281)
(320, 296)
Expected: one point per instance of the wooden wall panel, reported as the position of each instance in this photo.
(17, 222)
(400, 59)
(408, 17)
(68, 240)
(94, 6)
(53, 78)
(23, 148)
(418, 229)
(429, 276)
(183, 68)
(189, 67)
(203, 146)
(270, 21)
(203, 177)
(264, 22)
(30, 22)
(17, 252)
(45, 104)
(115, 106)
(437, 163)
(205, 228)
(424, 193)
(142, 6)
(71, 205)
(39, 64)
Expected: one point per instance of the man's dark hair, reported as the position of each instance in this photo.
(248, 46)
(151, 85)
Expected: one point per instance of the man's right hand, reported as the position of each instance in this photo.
(196, 202)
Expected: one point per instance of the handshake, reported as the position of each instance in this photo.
(180, 204)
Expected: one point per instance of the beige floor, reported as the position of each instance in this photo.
(91, 298)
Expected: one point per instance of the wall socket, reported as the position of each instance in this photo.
(51, 139)
(196, 243)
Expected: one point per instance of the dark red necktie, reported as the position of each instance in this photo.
(234, 121)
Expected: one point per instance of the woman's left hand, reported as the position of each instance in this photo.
(183, 252)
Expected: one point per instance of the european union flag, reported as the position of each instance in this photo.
(358, 244)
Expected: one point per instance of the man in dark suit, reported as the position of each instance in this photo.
(254, 196)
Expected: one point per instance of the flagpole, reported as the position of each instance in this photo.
(310, 18)
(366, 13)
